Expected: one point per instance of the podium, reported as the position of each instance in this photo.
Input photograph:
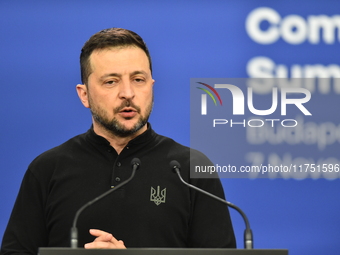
(161, 251)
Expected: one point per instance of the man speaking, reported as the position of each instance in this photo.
(154, 209)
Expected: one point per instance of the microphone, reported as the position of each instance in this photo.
(248, 235)
(135, 163)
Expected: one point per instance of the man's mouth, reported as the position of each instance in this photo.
(128, 112)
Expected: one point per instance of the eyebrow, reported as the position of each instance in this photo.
(119, 75)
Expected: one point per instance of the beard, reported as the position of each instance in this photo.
(113, 125)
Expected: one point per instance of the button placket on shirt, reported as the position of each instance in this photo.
(116, 179)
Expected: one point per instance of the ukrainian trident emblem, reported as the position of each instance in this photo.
(158, 196)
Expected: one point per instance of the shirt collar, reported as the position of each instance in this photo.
(144, 137)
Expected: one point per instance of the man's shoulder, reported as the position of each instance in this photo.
(167, 141)
(180, 151)
(58, 153)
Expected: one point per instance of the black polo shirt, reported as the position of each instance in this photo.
(153, 210)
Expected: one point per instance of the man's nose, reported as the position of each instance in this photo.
(126, 90)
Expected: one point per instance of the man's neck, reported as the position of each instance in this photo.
(117, 142)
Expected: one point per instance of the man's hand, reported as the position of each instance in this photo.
(104, 240)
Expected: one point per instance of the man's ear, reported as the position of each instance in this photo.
(83, 94)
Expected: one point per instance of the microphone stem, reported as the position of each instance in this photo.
(248, 235)
(74, 231)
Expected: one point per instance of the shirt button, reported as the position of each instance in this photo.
(119, 164)
(127, 148)
(109, 150)
(117, 179)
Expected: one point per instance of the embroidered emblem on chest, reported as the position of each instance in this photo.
(158, 196)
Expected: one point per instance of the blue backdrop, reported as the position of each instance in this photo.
(40, 46)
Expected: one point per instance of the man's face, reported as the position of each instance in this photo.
(119, 90)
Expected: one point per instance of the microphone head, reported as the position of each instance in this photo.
(135, 162)
(174, 164)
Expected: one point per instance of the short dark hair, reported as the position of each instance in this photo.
(111, 37)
